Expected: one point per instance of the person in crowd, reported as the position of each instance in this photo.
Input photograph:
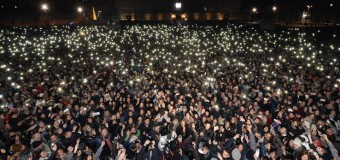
(150, 92)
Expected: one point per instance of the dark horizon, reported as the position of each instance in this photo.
(286, 11)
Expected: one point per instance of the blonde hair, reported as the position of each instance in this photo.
(175, 123)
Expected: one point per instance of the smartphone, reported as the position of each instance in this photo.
(257, 153)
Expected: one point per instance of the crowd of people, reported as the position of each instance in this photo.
(149, 92)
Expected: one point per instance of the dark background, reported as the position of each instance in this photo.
(288, 11)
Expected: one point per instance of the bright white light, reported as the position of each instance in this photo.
(178, 5)
(254, 10)
(274, 8)
(44, 7)
(304, 15)
(80, 9)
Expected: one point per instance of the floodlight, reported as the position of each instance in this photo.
(178, 5)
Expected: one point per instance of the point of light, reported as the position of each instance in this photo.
(44, 7)
(178, 5)
(80, 9)
(274, 8)
(254, 10)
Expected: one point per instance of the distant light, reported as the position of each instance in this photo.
(304, 15)
(15, 7)
(274, 8)
(80, 9)
(254, 10)
(44, 7)
(178, 5)
(331, 5)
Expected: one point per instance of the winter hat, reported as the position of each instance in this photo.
(297, 142)
(313, 127)
(200, 147)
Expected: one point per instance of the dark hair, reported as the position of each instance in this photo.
(302, 153)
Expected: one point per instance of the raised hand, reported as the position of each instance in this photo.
(237, 136)
(147, 142)
(102, 144)
(219, 156)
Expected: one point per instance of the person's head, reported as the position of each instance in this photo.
(268, 136)
(37, 137)
(329, 132)
(268, 146)
(147, 121)
(225, 154)
(296, 144)
(260, 112)
(187, 115)
(41, 124)
(303, 155)
(113, 118)
(104, 133)
(54, 138)
(221, 128)
(251, 111)
(283, 130)
(133, 137)
(89, 120)
(60, 152)
(136, 146)
(233, 119)
(43, 154)
(68, 134)
(70, 149)
(152, 144)
(240, 147)
(267, 113)
(273, 153)
(69, 117)
(207, 126)
(320, 150)
(206, 149)
(130, 120)
(89, 157)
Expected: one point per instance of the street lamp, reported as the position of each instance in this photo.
(44, 7)
(254, 10)
(178, 5)
(274, 8)
(80, 9)
(253, 14)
